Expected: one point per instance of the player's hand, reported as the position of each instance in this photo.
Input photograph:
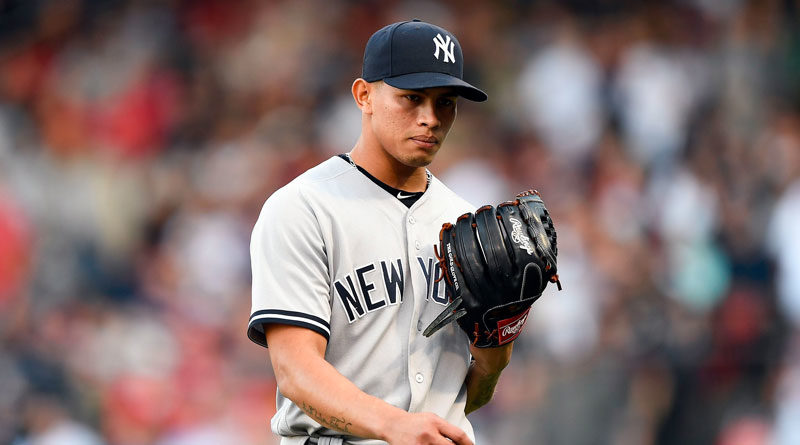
(424, 429)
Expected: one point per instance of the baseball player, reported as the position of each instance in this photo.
(345, 276)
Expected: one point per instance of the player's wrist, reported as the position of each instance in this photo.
(388, 423)
(491, 360)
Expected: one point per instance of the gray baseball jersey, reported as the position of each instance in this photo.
(334, 252)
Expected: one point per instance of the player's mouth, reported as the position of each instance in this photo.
(426, 141)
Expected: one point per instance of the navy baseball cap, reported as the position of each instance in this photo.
(412, 55)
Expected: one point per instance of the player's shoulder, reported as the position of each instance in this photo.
(324, 172)
(298, 202)
(313, 180)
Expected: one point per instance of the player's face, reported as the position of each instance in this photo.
(411, 125)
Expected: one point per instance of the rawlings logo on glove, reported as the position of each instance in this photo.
(520, 238)
(510, 328)
(496, 263)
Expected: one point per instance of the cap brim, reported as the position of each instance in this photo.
(417, 81)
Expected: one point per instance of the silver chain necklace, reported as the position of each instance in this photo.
(427, 172)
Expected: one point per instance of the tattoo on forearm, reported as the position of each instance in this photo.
(485, 393)
(334, 422)
(482, 390)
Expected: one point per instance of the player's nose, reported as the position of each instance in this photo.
(427, 116)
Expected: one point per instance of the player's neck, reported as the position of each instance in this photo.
(389, 170)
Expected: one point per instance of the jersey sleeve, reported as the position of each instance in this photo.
(290, 279)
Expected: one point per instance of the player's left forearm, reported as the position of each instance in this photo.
(484, 372)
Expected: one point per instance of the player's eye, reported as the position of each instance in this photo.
(446, 101)
(413, 98)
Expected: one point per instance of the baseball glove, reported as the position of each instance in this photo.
(496, 263)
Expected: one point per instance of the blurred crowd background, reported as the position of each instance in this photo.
(139, 139)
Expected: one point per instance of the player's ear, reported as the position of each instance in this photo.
(362, 91)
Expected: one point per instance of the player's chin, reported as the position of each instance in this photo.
(419, 159)
(421, 156)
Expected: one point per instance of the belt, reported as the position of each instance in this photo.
(325, 440)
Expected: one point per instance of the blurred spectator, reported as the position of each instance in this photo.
(560, 89)
(784, 241)
(657, 87)
(16, 237)
(48, 424)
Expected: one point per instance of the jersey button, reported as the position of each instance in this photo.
(419, 378)
(416, 244)
(411, 220)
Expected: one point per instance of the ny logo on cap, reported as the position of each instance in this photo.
(447, 47)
